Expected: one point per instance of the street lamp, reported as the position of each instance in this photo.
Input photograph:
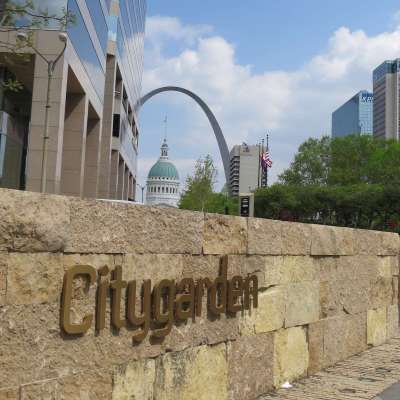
(142, 189)
(51, 65)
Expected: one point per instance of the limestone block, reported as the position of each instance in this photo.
(34, 278)
(296, 238)
(279, 270)
(135, 381)
(291, 355)
(102, 227)
(395, 286)
(316, 347)
(390, 244)
(377, 326)
(343, 336)
(152, 266)
(392, 319)
(3, 279)
(31, 222)
(394, 260)
(257, 265)
(30, 336)
(95, 260)
(272, 270)
(44, 390)
(332, 241)
(296, 269)
(224, 234)
(327, 267)
(9, 394)
(95, 384)
(368, 242)
(386, 267)
(344, 296)
(199, 373)
(270, 314)
(198, 266)
(382, 292)
(302, 305)
(360, 266)
(204, 330)
(265, 237)
(250, 366)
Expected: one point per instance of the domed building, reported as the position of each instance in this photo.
(163, 181)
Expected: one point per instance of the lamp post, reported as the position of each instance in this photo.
(51, 65)
(142, 189)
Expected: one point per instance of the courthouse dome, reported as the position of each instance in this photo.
(164, 169)
(163, 181)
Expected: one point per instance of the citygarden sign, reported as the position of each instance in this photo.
(155, 308)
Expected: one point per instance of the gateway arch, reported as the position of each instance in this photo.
(223, 148)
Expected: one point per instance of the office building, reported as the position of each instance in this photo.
(386, 100)
(163, 181)
(244, 173)
(355, 116)
(93, 124)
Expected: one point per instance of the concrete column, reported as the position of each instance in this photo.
(37, 127)
(126, 183)
(92, 158)
(121, 175)
(114, 174)
(74, 148)
(130, 192)
(108, 114)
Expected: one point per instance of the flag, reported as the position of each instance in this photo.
(266, 161)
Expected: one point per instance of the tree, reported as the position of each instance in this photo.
(25, 15)
(311, 164)
(200, 186)
(199, 193)
(349, 181)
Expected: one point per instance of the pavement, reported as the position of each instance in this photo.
(373, 375)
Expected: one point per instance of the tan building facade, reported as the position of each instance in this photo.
(93, 126)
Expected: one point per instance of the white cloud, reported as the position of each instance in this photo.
(291, 105)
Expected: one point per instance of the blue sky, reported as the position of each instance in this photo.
(280, 67)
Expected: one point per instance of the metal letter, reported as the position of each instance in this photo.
(163, 307)
(116, 286)
(143, 319)
(66, 324)
(184, 308)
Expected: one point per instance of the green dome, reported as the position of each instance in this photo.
(164, 169)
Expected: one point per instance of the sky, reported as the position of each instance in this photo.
(262, 66)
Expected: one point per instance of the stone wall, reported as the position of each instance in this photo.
(325, 294)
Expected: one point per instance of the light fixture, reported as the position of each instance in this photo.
(22, 36)
(62, 36)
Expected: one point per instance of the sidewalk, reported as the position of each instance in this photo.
(364, 376)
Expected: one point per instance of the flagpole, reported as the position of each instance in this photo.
(262, 171)
(259, 165)
(266, 169)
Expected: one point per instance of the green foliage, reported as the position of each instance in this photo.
(369, 206)
(24, 15)
(350, 181)
(310, 165)
(31, 16)
(199, 193)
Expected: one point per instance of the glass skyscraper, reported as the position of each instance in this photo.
(96, 86)
(386, 78)
(355, 116)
